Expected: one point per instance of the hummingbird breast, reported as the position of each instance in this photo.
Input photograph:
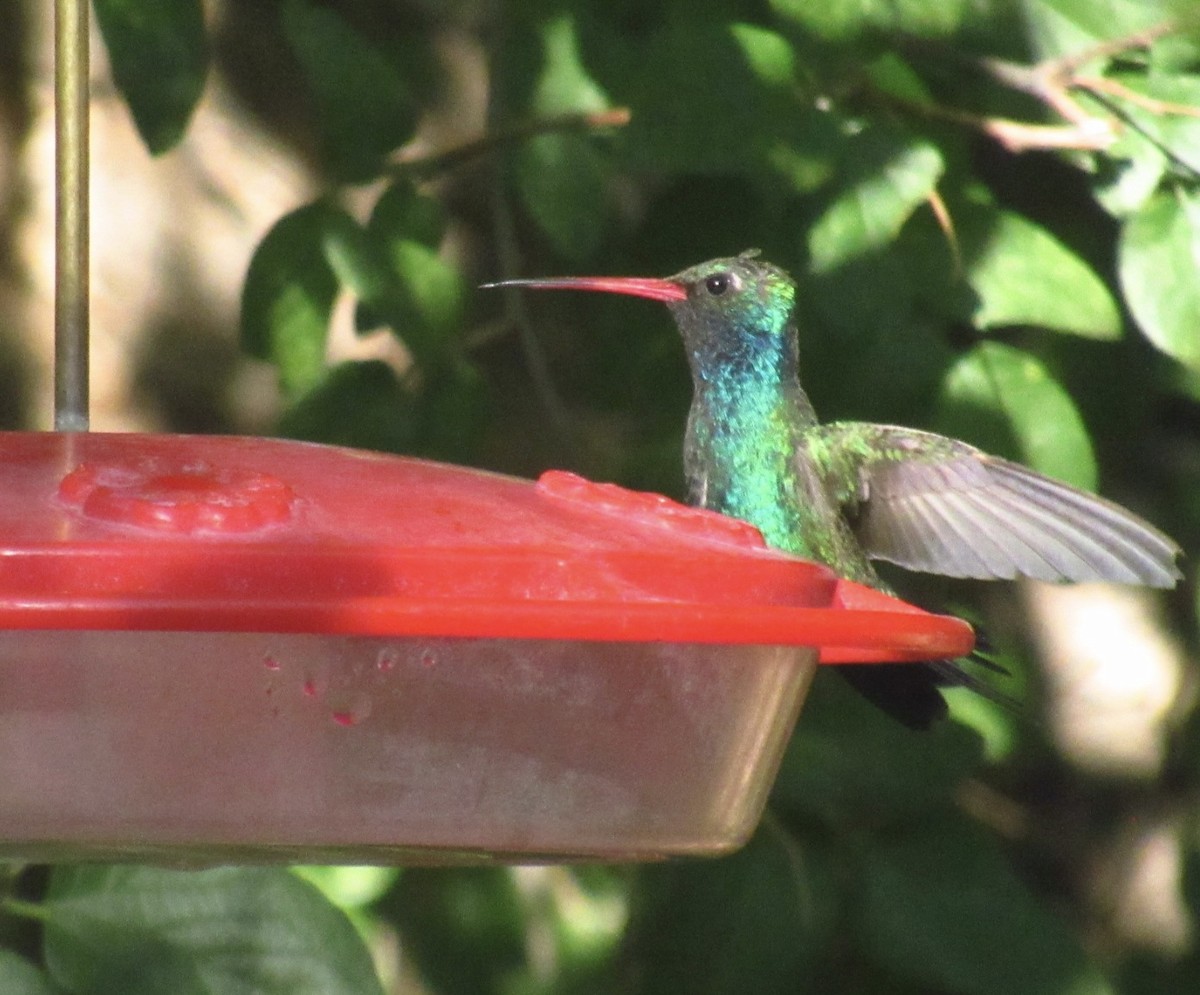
(747, 459)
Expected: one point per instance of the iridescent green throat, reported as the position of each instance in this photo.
(746, 450)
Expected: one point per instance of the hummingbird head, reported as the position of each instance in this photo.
(734, 314)
(734, 309)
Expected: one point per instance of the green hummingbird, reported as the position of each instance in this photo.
(847, 493)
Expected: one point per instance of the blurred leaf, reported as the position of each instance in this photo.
(159, 56)
(421, 297)
(997, 382)
(1159, 257)
(562, 178)
(1156, 143)
(845, 20)
(563, 183)
(362, 101)
(253, 930)
(355, 257)
(847, 762)
(751, 922)
(19, 977)
(451, 412)
(894, 76)
(1024, 276)
(350, 887)
(355, 404)
(288, 295)
(891, 175)
(943, 906)
(1067, 27)
(441, 914)
(401, 211)
(740, 82)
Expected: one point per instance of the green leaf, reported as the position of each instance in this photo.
(752, 922)
(451, 412)
(159, 55)
(355, 257)
(1158, 262)
(563, 181)
(19, 977)
(995, 389)
(848, 763)
(891, 175)
(847, 20)
(355, 404)
(402, 211)
(231, 930)
(423, 297)
(942, 906)
(1155, 144)
(442, 913)
(363, 103)
(288, 295)
(1024, 276)
(1067, 27)
(740, 82)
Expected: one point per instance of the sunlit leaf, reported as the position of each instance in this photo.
(997, 385)
(1158, 263)
(1023, 275)
(232, 930)
(1067, 27)
(419, 295)
(159, 56)
(1160, 138)
(288, 295)
(891, 176)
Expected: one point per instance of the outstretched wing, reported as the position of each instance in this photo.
(938, 505)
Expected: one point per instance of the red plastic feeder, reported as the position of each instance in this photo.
(225, 648)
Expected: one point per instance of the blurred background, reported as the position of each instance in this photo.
(993, 211)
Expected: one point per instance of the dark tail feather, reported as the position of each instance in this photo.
(911, 692)
(908, 692)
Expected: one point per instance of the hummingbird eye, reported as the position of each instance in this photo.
(718, 284)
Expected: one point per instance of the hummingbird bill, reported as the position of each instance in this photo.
(849, 493)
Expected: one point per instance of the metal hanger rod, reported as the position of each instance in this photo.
(71, 78)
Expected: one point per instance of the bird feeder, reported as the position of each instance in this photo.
(222, 649)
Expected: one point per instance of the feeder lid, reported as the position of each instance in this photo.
(218, 533)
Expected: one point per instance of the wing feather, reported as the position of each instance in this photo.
(934, 504)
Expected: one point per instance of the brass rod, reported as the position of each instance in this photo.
(71, 100)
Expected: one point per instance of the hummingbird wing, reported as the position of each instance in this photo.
(930, 503)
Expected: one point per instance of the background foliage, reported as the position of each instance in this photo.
(994, 210)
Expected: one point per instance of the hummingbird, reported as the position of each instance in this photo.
(849, 493)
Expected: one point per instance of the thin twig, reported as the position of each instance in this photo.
(423, 164)
(1112, 88)
(1051, 83)
(1093, 134)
